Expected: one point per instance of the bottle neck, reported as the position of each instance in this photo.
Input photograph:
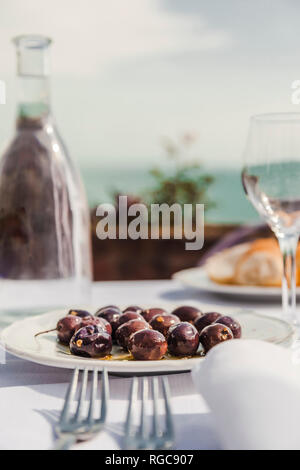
(33, 98)
(33, 80)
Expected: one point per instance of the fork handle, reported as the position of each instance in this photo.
(64, 442)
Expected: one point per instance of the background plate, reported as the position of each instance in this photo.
(197, 278)
(19, 340)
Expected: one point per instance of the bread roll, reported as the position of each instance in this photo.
(257, 263)
(260, 265)
(221, 266)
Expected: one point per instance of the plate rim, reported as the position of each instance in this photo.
(228, 289)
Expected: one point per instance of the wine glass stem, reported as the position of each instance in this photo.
(288, 247)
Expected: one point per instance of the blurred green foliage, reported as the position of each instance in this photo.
(184, 181)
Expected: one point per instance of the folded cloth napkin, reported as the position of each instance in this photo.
(253, 391)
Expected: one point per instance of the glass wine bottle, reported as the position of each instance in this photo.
(45, 255)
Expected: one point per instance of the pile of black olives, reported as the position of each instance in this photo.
(148, 334)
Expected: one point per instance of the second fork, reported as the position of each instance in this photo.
(157, 436)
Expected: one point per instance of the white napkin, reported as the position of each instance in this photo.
(253, 391)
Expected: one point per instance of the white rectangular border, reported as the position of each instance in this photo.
(2, 92)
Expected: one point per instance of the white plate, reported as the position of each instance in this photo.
(19, 340)
(197, 278)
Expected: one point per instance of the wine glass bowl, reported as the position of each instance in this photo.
(271, 180)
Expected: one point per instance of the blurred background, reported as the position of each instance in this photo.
(141, 88)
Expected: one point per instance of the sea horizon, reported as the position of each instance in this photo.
(102, 182)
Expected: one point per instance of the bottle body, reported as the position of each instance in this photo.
(45, 257)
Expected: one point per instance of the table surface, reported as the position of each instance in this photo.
(30, 393)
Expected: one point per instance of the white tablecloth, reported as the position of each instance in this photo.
(31, 395)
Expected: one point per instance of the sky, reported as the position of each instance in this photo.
(127, 72)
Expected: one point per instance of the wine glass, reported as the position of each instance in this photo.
(271, 180)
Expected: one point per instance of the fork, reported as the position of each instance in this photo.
(73, 427)
(143, 437)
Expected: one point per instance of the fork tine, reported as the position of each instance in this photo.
(82, 396)
(169, 432)
(69, 397)
(104, 395)
(155, 385)
(128, 424)
(93, 396)
(143, 428)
